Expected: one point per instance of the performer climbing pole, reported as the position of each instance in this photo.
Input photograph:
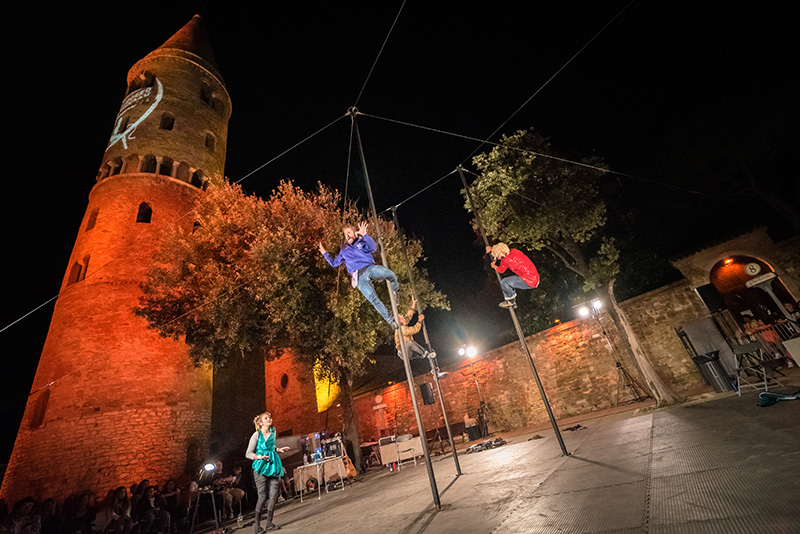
(433, 362)
(393, 298)
(514, 318)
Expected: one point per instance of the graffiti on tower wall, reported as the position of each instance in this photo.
(124, 129)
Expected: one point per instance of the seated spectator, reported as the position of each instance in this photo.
(152, 519)
(103, 513)
(121, 522)
(238, 485)
(222, 489)
(51, 523)
(136, 496)
(170, 500)
(25, 518)
(79, 514)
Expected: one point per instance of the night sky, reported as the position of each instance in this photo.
(658, 70)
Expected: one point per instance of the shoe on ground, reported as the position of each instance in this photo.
(508, 304)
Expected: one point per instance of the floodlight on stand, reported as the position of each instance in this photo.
(209, 467)
(583, 311)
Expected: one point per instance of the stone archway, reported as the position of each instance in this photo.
(750, 288)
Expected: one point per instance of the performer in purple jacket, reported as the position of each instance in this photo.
(357, 257)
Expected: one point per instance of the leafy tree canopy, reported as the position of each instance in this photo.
(246, 275)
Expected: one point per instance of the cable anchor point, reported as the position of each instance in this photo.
(352, 111)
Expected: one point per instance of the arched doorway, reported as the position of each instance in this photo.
(751, 289)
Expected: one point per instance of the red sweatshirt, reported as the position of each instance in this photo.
(520, 265)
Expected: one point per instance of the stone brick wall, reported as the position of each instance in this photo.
(576, 364)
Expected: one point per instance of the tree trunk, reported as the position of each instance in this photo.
(660, 391)
(349, 418)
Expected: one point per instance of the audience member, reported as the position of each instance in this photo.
(25, 518)
(151, 517)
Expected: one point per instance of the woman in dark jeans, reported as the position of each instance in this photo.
(267, 468)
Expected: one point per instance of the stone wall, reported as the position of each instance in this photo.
(576, 363)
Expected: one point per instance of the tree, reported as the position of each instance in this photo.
(530, 196)
(247, 275)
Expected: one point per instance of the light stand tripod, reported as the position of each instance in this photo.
(624, 378)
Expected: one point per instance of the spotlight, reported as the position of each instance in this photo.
(583, 311)
(471, 351)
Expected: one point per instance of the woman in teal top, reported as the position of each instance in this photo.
(267, 468)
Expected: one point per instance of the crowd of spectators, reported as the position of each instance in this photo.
(142, 509)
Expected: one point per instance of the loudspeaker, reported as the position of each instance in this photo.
(711, 298)
(427, 393)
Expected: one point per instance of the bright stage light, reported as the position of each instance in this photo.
(471, 351)
(583, 311)
(597, 304)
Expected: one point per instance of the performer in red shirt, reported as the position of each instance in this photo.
(525, 274)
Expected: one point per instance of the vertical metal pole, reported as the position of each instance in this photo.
(409, 375)
(434, 365)
(517, 326)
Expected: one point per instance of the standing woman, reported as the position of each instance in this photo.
(267, 468)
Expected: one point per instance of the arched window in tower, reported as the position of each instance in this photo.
(167, 121)
(183, 172)
(115, 166)
(210, 141)
(133, 86)
(132, 163)
(197, 178)
(218, 106)
(85, 267)
(74, 273)
(105, 171)
(165, 167)
(36, 417)
(92, 219)
(145, 213)
(148, 79)
(149, 164)
(205, 93)
(122, 123)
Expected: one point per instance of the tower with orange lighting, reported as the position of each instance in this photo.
(112, 402)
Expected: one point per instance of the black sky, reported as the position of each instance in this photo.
(462, 67)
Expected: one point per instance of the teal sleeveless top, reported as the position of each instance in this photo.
(271, 466)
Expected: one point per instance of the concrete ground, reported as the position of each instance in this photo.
(717, 464)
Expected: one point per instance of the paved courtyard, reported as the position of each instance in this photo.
(720, 465)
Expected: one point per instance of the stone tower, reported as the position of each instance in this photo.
(112, 402)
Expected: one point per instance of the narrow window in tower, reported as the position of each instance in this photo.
(92, 219)
(216, 105)
(105, 170)
(74, 273)
(205, 93)
(165, 167)
(122, 124)
(85, 267)
(182, 173)
(149, 164)
(197, 178)
(195, 226)
(167, 121)
(116, 166)
(133, 86)
(145, 213)
(148, 79)
(210, 142)
(39, 409)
